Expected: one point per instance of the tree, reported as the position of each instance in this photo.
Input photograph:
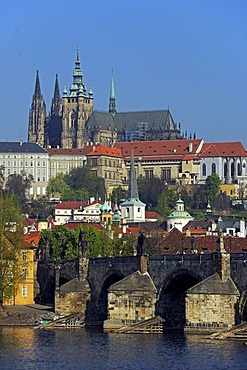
(167, 201)
(150, 190)
(84, 178)
(57, 186)
(212, 186)
(19, 184)
(11, 237)
(117, 194)
(63, 242)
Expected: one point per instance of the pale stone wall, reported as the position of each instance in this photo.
(210, 309)
(129, 308)
(67, 303)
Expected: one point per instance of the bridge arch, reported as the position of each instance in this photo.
(102, 294)
(243, 306)
(171, 297)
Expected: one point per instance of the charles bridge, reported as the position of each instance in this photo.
(172, 276)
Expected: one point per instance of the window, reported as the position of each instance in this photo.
(24, 291)
(149, 174)
(166, 173)
(204, 170)
(232, 170)
(213, 168)
(94, 161)
(239, 169)
(139, 209)
(24, 273)
(24, 255)
(225, 170)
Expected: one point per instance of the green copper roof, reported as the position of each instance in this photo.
(179, 214)
(133, 201)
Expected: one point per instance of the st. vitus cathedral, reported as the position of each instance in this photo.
(73, 122)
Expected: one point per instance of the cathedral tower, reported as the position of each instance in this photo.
(112, 99)
(37, 116)
(53, 126)
(77, 107)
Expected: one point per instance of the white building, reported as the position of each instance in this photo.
(29, 159)
(228, 160)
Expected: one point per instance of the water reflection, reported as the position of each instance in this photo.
(26, 348)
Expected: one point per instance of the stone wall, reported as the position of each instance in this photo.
(131, 300)
(210, 310)
(72, 297)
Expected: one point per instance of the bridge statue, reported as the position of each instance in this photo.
(82, 245)
(141, 238)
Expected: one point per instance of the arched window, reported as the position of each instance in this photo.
(204, 170)
(232, 169)
(213, 168)
(225, 170)
(239, 169)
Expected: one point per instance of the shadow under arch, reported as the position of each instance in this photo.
(102, 297)
(171, 298)
(243, 307)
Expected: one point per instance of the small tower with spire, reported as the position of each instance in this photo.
(112, 98)
(133, 210)
(37, 116)
(77, 106)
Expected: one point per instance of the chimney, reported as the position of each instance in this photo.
(21, 142)
(190, 147)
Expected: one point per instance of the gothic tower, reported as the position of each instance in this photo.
(37, 116)
(112, 99)
(77, 107)
(53, 126)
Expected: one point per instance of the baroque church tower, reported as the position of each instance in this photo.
(77, 107)
(37, 116)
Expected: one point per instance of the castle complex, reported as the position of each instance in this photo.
(73, 122)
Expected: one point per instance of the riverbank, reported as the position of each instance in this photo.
(26, 315)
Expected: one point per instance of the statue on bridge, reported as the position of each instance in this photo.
(141, 238)
(82, 245)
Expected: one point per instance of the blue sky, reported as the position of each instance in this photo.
(189, 55)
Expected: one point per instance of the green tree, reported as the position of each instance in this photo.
(150, 190)
(19, 184)
(57, 186)
(167, 201)
(11, 238)
(84, 178)
(63, 242)
(117, 194)
(212, 186)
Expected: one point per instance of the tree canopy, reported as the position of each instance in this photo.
(212, 186)
(79, 184)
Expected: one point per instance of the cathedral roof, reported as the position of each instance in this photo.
(100, 119)
(155, 119)
(20, 147)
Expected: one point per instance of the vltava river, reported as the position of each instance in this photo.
(26, 348)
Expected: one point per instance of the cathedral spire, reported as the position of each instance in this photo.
(37, 90)
(56, 101)
(112, 99)
(133, 189)
(77, 85)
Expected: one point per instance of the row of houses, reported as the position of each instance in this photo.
(177, 161)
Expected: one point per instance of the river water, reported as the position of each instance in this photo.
(27, 348)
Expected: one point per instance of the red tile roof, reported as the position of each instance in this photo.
(71, 205)
(172, 243)
(152, 215)
(74, 225)
(225, 149)
(69, 151)
(32, 238)
(159, 149)
(106, 151)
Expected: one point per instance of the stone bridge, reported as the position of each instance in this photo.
(172, 276)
